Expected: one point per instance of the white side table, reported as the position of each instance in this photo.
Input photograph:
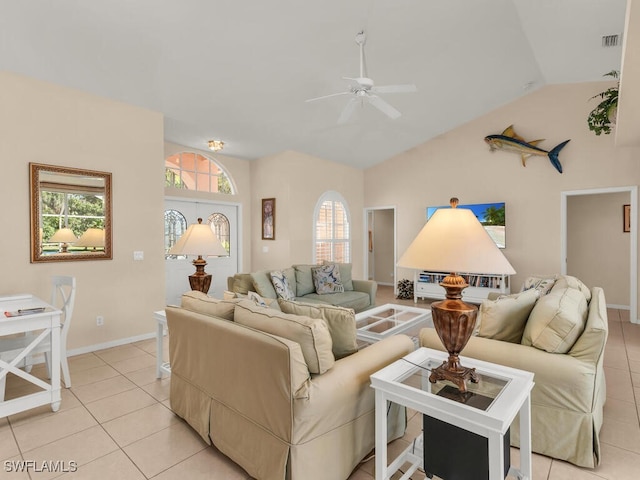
(406, 382)
(161, 321)
(44, 324)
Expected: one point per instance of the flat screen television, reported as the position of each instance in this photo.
(490, 215)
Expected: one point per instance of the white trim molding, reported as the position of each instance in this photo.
(633, 241)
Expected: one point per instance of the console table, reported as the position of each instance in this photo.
(44, 323)
(505, 392)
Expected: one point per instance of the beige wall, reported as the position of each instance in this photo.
(239, 171)
(597, 247)
(297, 181)
(44, 123)
(459, 163)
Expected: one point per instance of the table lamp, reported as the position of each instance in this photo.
(199, 240)
(92, 237)
(453, 240)
(64, 237)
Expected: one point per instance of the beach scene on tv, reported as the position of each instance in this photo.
(490, 215)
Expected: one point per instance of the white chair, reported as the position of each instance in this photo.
(63, 296)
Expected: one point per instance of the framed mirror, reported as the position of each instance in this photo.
(70, 214)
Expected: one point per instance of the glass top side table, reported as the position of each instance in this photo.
(487, 409)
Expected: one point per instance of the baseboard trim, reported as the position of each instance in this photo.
(113, 343)
(619, 307)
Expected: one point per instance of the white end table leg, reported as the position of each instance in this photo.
(381, 436)
(159, 349)
(496, 457)
(525, 439)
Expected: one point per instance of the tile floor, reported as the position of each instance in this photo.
(115, 422)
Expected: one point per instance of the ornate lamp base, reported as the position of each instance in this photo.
(200, 280)
(454, 322)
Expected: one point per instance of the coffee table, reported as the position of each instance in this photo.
(487, 410)
(391, 319)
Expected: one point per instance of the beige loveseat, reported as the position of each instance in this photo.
(243, 384)
(358, 294)
(569, 393)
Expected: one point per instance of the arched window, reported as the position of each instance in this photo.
(192, 171)
(332, 234)
(174, 226)
(220, 225)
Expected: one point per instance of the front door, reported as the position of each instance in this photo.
(178, 269)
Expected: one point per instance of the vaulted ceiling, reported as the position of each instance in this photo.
(241, 71)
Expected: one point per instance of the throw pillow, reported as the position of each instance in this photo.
(281, 285)
(262, 284)
(259, 301)
(505, 318)
(345, 274)
(242, 283)
(340, 321)
(311, 334)
(304, 280)
(199, 302)
(542, 283)
(567, 281)
(556, 321)
(326, 279)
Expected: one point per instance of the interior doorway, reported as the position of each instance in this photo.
(380, 245)
(588, 233)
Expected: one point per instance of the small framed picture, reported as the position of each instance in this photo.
(626, 218)
(268, 218)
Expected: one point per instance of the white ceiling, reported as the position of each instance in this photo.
(241, 71)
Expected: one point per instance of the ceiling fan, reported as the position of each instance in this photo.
(363, 90)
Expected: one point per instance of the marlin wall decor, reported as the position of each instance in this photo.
(510, 141)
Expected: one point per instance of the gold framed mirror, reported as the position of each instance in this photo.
(70, 214)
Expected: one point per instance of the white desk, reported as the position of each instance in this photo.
(406, 383)
(45, 323)
(161, 367)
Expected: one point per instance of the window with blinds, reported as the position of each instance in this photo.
(332, 232)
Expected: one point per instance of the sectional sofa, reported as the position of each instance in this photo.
(358, 294)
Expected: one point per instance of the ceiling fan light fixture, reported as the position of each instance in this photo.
(216, 145)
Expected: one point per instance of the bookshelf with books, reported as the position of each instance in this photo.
(427, 285)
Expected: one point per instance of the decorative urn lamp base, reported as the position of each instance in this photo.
(200, 280)
(454, 321)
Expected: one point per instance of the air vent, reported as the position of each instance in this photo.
(610, 40)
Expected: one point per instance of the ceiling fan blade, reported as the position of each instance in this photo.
(395, 89)
(348, 110)
(383, 106)
(327, 96)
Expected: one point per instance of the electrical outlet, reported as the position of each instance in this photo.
(99, 320)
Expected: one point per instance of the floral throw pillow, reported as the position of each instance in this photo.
(281, 285)
(541, 283)
(326, 279)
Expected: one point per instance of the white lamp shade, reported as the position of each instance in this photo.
(63, 235)
(454, 241)
(92, 237)
(199, 239)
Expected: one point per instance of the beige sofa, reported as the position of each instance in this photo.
(245, 387)
(569, 393)
(358, 294)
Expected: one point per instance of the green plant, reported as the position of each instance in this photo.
(602, 117)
